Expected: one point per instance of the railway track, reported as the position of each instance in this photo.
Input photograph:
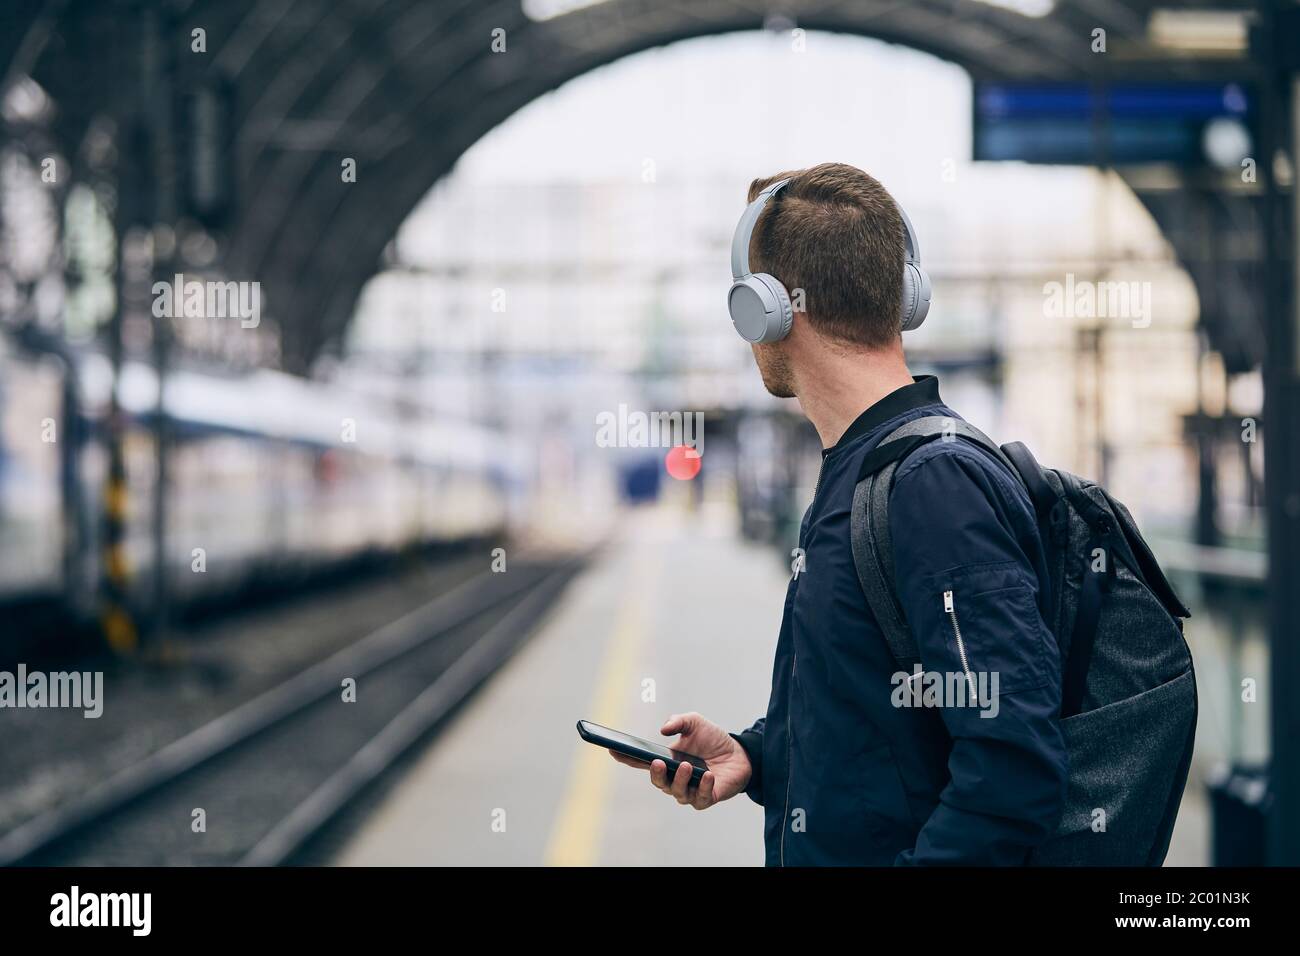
(255, 785)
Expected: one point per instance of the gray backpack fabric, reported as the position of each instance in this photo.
(1128, 702)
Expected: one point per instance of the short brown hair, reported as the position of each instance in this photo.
(835, 233)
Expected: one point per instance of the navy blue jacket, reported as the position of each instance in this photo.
(848, 776)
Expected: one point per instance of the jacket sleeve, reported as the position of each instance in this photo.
(751, 741)
(969, 591)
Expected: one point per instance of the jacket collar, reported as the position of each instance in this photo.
(923, 391)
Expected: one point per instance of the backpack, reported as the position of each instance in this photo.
(1128, 701)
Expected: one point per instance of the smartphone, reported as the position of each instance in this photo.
(641, 749)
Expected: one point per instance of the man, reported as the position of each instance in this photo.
(845, 772)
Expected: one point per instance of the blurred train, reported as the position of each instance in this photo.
(271, 478)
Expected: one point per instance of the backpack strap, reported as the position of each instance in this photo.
(873, 553)
(1074, 675)
(874, 559)
(1040, 492)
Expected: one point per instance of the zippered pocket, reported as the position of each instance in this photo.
(984, 622)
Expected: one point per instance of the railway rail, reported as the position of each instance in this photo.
(254, 785)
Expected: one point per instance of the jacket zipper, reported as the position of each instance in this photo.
(950, 607)
(794, 664)
(789, 754)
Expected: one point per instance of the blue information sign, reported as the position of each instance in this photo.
(1186, 124)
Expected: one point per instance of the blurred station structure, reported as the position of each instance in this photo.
(362, 391)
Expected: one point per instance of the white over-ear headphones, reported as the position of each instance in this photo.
(760, 305)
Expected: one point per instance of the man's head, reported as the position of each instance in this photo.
(835, 240)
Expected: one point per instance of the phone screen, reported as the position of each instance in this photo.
(617, 736)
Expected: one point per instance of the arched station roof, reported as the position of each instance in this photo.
(406, 86)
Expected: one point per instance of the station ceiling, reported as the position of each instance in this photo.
(406, 86)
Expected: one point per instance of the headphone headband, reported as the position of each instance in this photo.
(911, 248)
(745, 229)
(749, 219)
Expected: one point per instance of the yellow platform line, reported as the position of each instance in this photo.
(575, 835)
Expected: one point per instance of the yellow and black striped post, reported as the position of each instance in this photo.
(115, 617)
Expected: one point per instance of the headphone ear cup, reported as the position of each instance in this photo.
(916, 297)
(782, 319)
(760, 308)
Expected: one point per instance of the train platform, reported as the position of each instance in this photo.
(678, 614)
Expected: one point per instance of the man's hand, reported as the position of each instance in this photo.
(728, 771)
